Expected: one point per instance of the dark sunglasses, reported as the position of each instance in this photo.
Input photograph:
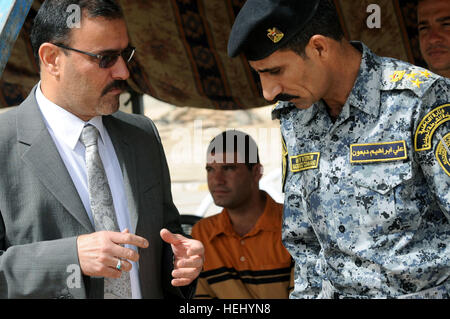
(106, 60)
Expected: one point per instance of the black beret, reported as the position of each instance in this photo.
(263, 26)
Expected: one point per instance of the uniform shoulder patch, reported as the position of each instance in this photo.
(428, 125)
(443, 153)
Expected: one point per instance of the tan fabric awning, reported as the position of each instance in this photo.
(181, 50)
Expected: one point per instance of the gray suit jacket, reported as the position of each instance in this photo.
(41, 213)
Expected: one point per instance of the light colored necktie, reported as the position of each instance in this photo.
(102, 206)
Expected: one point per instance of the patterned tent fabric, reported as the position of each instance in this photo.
(182, 57)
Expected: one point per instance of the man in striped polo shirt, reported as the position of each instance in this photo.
(244, 255)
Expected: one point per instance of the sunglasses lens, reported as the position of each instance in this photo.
(128, 53)
(108, 61)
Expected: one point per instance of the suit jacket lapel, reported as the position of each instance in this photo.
(125, 152)
(42, 156)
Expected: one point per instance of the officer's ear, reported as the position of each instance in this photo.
(318, 46)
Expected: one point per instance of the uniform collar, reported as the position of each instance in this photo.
(306, 114)
(264, 223)
(365, 94)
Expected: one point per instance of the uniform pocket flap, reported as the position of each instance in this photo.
(381, 177)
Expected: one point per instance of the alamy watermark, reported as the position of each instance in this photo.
(74, 18)
(373, 21)
(192, 143)
(73, 281)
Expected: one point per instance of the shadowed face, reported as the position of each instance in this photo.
(434, 34)
(286, 76)
(230, 182)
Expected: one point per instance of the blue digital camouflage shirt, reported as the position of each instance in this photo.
(367, 198)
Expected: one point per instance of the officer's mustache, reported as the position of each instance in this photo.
(284, 97)
(117, 84)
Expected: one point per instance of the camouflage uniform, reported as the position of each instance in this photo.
(367, 198)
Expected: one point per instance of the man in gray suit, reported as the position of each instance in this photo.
(51, 243)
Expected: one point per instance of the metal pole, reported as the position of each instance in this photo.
(12, 17)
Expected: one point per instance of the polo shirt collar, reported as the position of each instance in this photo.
(264, 223)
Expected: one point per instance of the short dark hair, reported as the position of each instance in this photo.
(237, 142)
(50, 23)
(324, 22)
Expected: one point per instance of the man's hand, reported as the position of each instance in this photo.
(99, 252)
(189, 255)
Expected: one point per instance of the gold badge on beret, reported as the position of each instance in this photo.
(275, 35)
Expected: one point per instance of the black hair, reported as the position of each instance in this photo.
(324, 22)
(237, 142)
(51, 22)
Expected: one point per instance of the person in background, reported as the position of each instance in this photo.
(433, 20)
(366, 149)
(86, 209)
(244, 255)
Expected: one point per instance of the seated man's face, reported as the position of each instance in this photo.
(230, 182)
(434, 34)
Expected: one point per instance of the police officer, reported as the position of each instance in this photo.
(366, 159)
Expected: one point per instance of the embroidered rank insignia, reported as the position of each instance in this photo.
(416, 82)
(415, 78)
(284, 159)
(443, 153)
(397, 76)
(428, 125)
(304, 162)
(275, 35)
(378, 152)
(425, 74)
(412, 75)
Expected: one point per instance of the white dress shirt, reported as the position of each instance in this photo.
(65, 129)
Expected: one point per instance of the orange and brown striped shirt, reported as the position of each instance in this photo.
(255, 265)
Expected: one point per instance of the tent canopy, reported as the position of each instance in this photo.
(182, 57)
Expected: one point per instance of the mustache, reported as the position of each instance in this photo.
(284, 98)
(437, 46)
(117, 84)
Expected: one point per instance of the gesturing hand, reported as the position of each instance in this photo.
(99, 252)
(189, 255)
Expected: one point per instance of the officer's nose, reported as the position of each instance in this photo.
(270, 88)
